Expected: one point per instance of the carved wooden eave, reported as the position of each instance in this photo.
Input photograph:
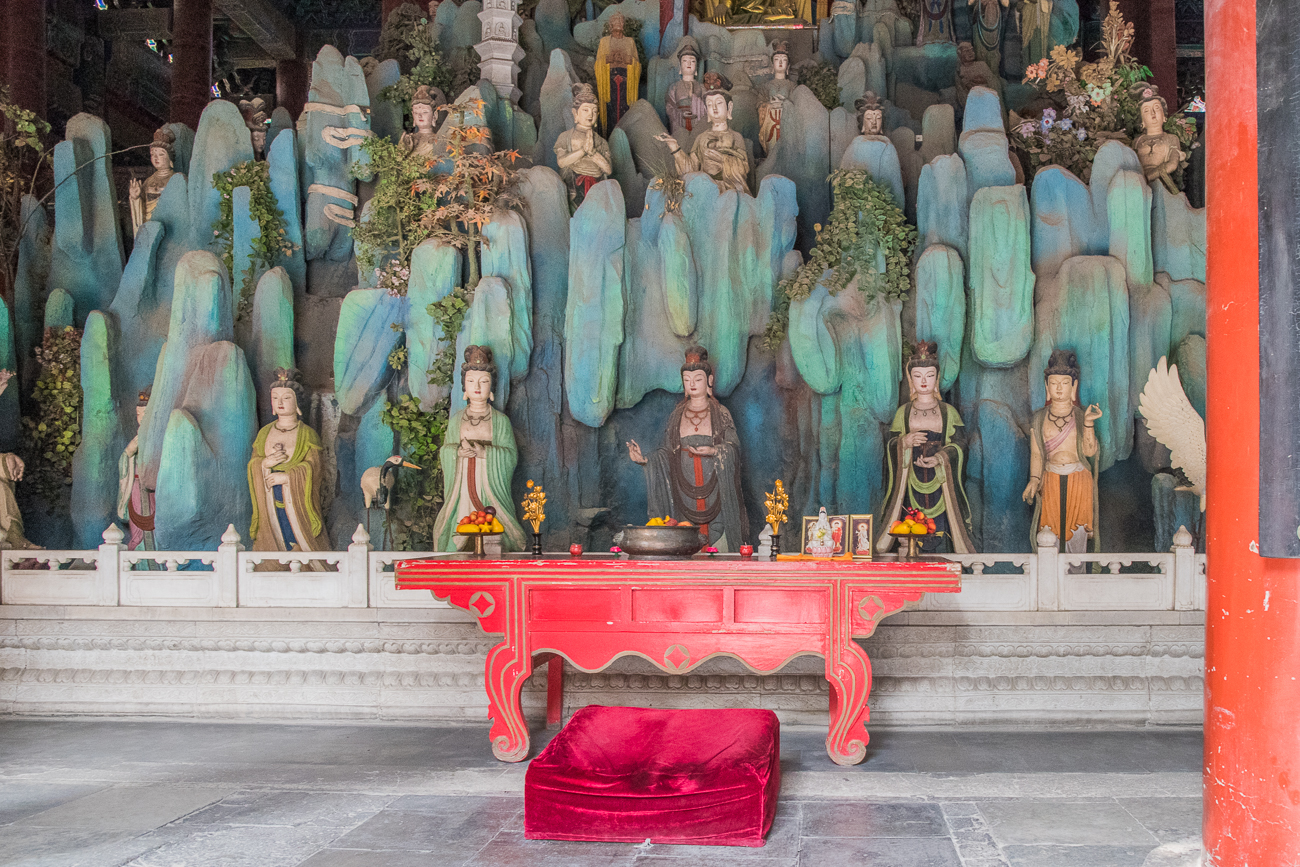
(265, 25)
(121, 25)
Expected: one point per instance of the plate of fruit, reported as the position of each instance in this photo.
(483, 522)
(660, 537)
(913, 528)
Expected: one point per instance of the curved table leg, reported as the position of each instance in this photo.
(505, 673)
(849, 673)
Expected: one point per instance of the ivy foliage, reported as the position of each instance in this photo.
(269, 245)
(54, 432)
(866, 230)
(449, 314)
(415, 503)
(408, 38)
(394, 220)
(21, 157)
(822, 80)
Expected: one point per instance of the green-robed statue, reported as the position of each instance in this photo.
(478, 459)
(927, 453)
(284, 475)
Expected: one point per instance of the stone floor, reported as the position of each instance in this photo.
(175, 794)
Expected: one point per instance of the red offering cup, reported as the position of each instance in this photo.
(575, 550)
(747, 550)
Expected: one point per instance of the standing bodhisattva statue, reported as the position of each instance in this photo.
(719, 151)
(1063, 451)
(284, 475)
(694, 475)
(144, 196)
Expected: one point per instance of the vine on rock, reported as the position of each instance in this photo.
(822, 80)
(21, 157)
(54, 433)
(408, 38)
(866, 229)
(270, 243)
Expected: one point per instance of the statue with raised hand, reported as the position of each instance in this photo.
(1063, 452)
(719, 151)
(144, 195)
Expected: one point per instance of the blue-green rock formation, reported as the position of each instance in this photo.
(270, 343)
(221, 143)
(941, 308)
(435, 272)
(1001, 280)
(593, 318)
(104, 433)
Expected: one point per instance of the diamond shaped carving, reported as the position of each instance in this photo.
(482, 603)
(677, 657)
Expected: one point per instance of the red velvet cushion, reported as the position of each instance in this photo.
(705, 777)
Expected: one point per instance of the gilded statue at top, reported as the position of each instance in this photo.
(719, 151)
(144, 196)
(694, 475)
(1063, 451)
(1159, 152)
(739, 13)
(422, 143)
(618, 73)
(927, 455)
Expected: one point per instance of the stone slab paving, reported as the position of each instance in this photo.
(90, 793)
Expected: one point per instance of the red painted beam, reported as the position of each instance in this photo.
(1252, 647)
(24, 36)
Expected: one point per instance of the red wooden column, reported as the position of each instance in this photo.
(1252, 650)
(192, 67)
(22, 30)
(1155, 42)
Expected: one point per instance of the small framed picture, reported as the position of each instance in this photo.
(825, 541)
(861, 535)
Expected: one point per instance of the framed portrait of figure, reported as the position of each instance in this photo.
(861, 532)
(828, 540)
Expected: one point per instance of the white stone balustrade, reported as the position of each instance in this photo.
(361, 577)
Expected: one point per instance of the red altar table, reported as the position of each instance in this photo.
(677, 613)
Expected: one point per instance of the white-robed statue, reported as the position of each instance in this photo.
(478, 459)
(11, 471)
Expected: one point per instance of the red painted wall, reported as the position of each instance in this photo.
(1252, 681)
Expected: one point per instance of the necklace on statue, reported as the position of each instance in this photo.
(696, 418)
(287, 429)
(477, 419)
(934, 410)
(1058, 420)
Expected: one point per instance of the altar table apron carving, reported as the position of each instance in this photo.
(676, 614)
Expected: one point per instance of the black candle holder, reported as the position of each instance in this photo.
(776, 546)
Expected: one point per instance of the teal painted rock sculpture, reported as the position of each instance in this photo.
(983, 111)
(1064, 225)
(844, 129)
(942, 214)
(202, 485)
(385, 117)
(1128, 209)
(490, 321)
(632, 184)
(1150, 326)
(86, 257)
(879, 159)
(803, 155)
(9, 412)
(1001, 280)
(998, 470)
(435, 272)
(1178, 236)
(270, 343)
(593, 319)
(282, 162)
(1189, 355)
(1085, 308)
(505, 255)
(103, 435)
(332, 133)
(362, 345)
(1187, 301)
(557, 107)
(941, 308)
(221, 143)
(201, 314)
(938, 132)
(58, 309)
(852, 81)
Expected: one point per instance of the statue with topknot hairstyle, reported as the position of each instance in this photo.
(581, 153)
(1063, 451)
(143, 196)
(694, 475)
(927, 457)
(478, 458)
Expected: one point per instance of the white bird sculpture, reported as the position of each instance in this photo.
(1175, 423)
(377, 483)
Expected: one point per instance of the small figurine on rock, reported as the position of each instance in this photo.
(421, 143)
(685, 102)
(871, 116)
(1063, 459)
(144, 196)
(719, 151)
(478, 460)
(284, 475)
(777, 92)
(926, 452)
(1159, 152)
(583, 156)
(135, 502)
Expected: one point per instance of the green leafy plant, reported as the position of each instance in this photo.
(822, 80)
(414, 510)
(269, 245)
(54, 432)
(867, 238)
(393, 225)
(449, 314)
(1056, 142)
(408, 39)
(21, 156)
